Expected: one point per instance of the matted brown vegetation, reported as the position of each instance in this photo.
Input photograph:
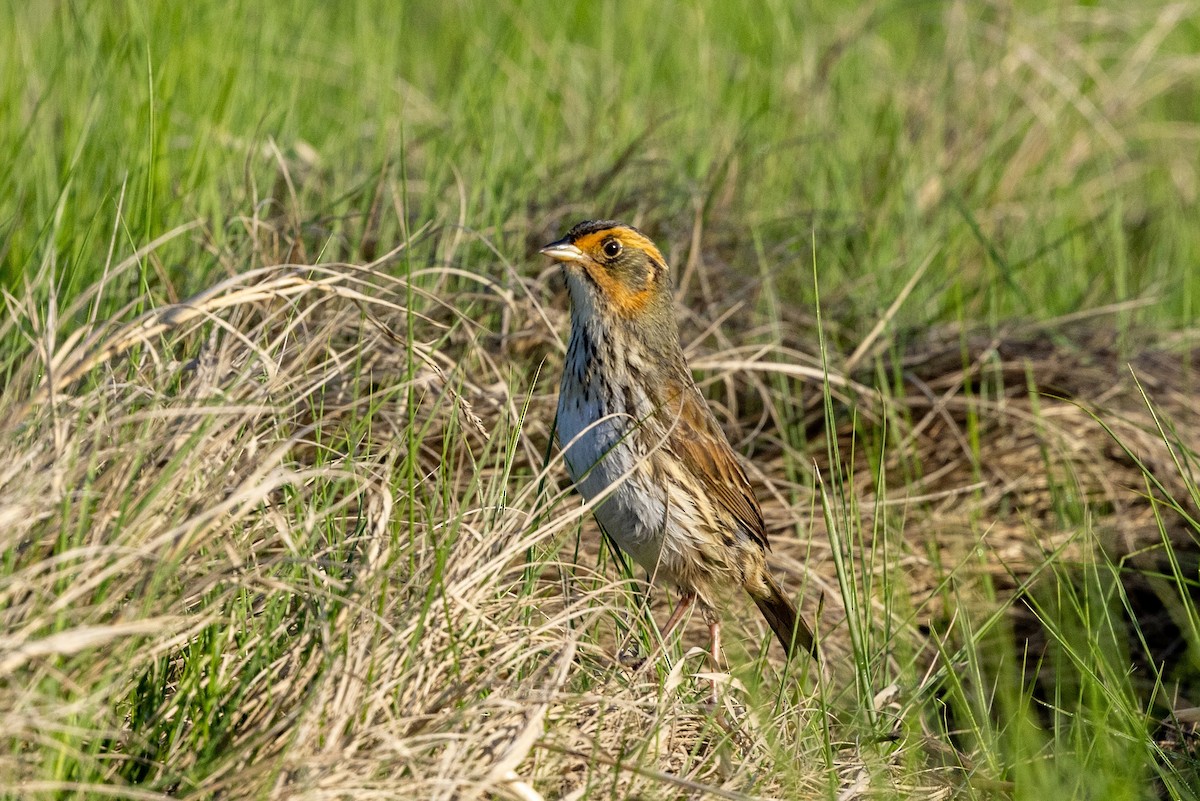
(1042, 443)
(263, 553)
(260, 547)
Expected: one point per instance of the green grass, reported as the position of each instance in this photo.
(308, 534)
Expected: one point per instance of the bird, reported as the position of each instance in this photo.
(635, 428)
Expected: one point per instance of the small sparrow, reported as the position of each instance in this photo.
(633, 423)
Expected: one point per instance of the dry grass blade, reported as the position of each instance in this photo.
(14, 654)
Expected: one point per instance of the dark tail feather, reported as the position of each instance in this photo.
(793, 633)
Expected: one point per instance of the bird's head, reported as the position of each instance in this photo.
(614, 271)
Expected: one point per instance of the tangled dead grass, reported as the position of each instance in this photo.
(1064, 427)
(297, 536)
(260, 543)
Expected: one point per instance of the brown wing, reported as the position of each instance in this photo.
(699, 442)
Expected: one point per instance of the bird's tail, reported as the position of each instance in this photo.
(793, 633)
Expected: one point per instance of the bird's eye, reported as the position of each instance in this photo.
(612, 248)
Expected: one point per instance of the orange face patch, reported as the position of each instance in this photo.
(629, 238)
(626, 297)
(625, 301)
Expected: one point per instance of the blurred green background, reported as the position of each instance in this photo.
(1045, 158)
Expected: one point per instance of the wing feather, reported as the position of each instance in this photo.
(698, 441)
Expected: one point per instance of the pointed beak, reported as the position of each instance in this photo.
(562, 250)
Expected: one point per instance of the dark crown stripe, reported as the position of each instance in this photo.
(592, 226)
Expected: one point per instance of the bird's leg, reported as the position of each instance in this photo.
(685, 603)
(714, 655)
(714, 634)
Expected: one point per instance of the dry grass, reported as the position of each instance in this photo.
(259, 543)
(296, 537)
